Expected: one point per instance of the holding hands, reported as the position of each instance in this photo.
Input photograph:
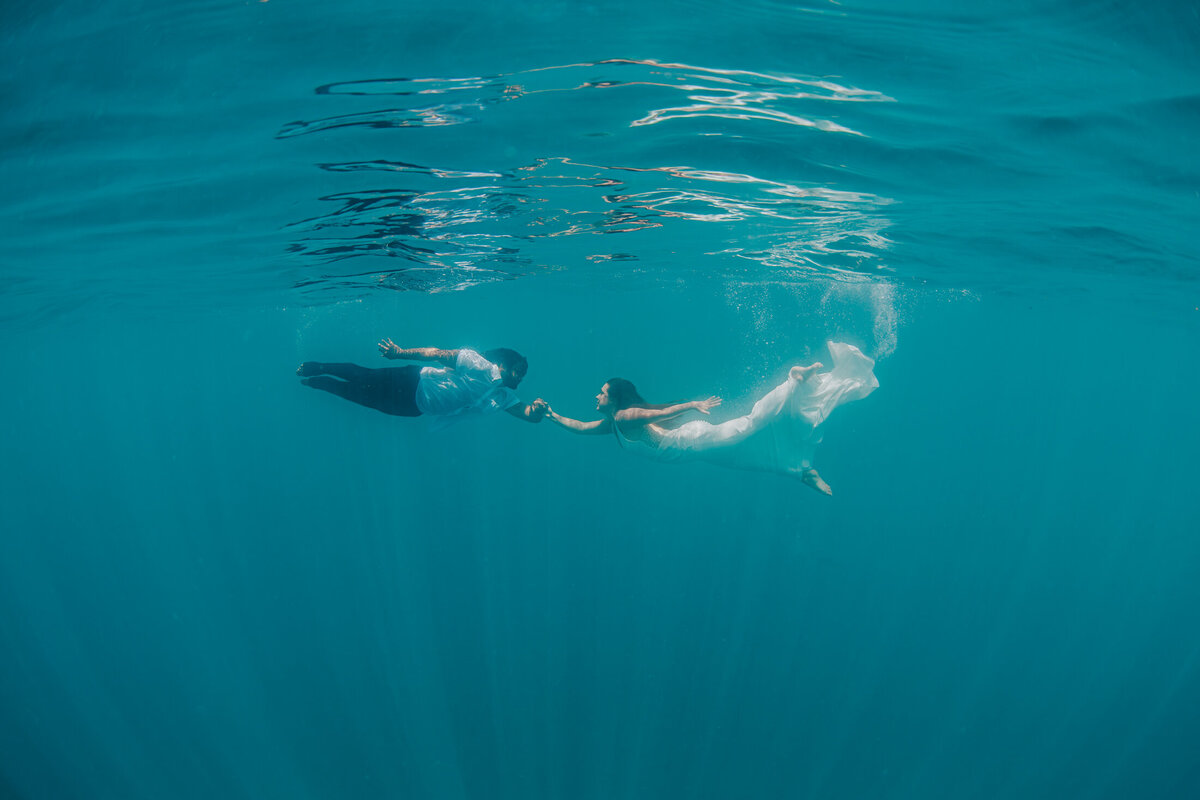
(537, 410)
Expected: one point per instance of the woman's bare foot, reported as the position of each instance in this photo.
(813, 478)
(802, 373)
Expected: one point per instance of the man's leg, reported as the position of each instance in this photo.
(391, 390)
(347, 372)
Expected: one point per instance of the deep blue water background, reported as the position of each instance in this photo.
(215, 583)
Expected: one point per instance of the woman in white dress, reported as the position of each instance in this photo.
(779, 434)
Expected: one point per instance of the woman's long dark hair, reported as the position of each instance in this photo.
(624, 394)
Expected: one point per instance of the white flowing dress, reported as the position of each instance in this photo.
(782, 431)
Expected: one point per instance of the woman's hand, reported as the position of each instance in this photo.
(704, 406)
(389, 349)
(539, 409)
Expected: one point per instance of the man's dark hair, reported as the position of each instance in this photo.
(511, 362)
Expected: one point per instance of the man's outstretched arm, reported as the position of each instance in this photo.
(529, 413)
(389, 349)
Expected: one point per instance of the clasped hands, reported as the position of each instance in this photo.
(539, 409)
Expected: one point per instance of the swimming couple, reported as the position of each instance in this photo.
(780, 434)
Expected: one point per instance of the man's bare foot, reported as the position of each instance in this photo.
(309, 368)
(801, 373)
(813, 478)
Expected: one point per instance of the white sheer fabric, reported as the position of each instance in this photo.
(472, 386)
(782, 430)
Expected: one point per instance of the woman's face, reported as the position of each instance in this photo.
(602, 399)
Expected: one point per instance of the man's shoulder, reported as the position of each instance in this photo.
(468, 357)
(471, 361)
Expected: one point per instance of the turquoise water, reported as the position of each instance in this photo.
(217, 583)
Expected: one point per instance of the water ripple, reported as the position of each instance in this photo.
(432, 117)
(716, 93)
(503, 224)
(492, 218)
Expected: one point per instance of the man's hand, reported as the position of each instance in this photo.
(537, 410)
(389, 349)
(703, 406)
(534, 412)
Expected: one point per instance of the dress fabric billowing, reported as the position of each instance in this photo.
(782, 430)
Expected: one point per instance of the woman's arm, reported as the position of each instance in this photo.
(389, 349)
(577, 426)
(647, 416)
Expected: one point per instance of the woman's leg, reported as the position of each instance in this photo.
(799, 373)
(813, 478)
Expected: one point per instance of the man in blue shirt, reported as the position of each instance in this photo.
(466, 383)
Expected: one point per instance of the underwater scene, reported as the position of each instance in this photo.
(582, 400)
